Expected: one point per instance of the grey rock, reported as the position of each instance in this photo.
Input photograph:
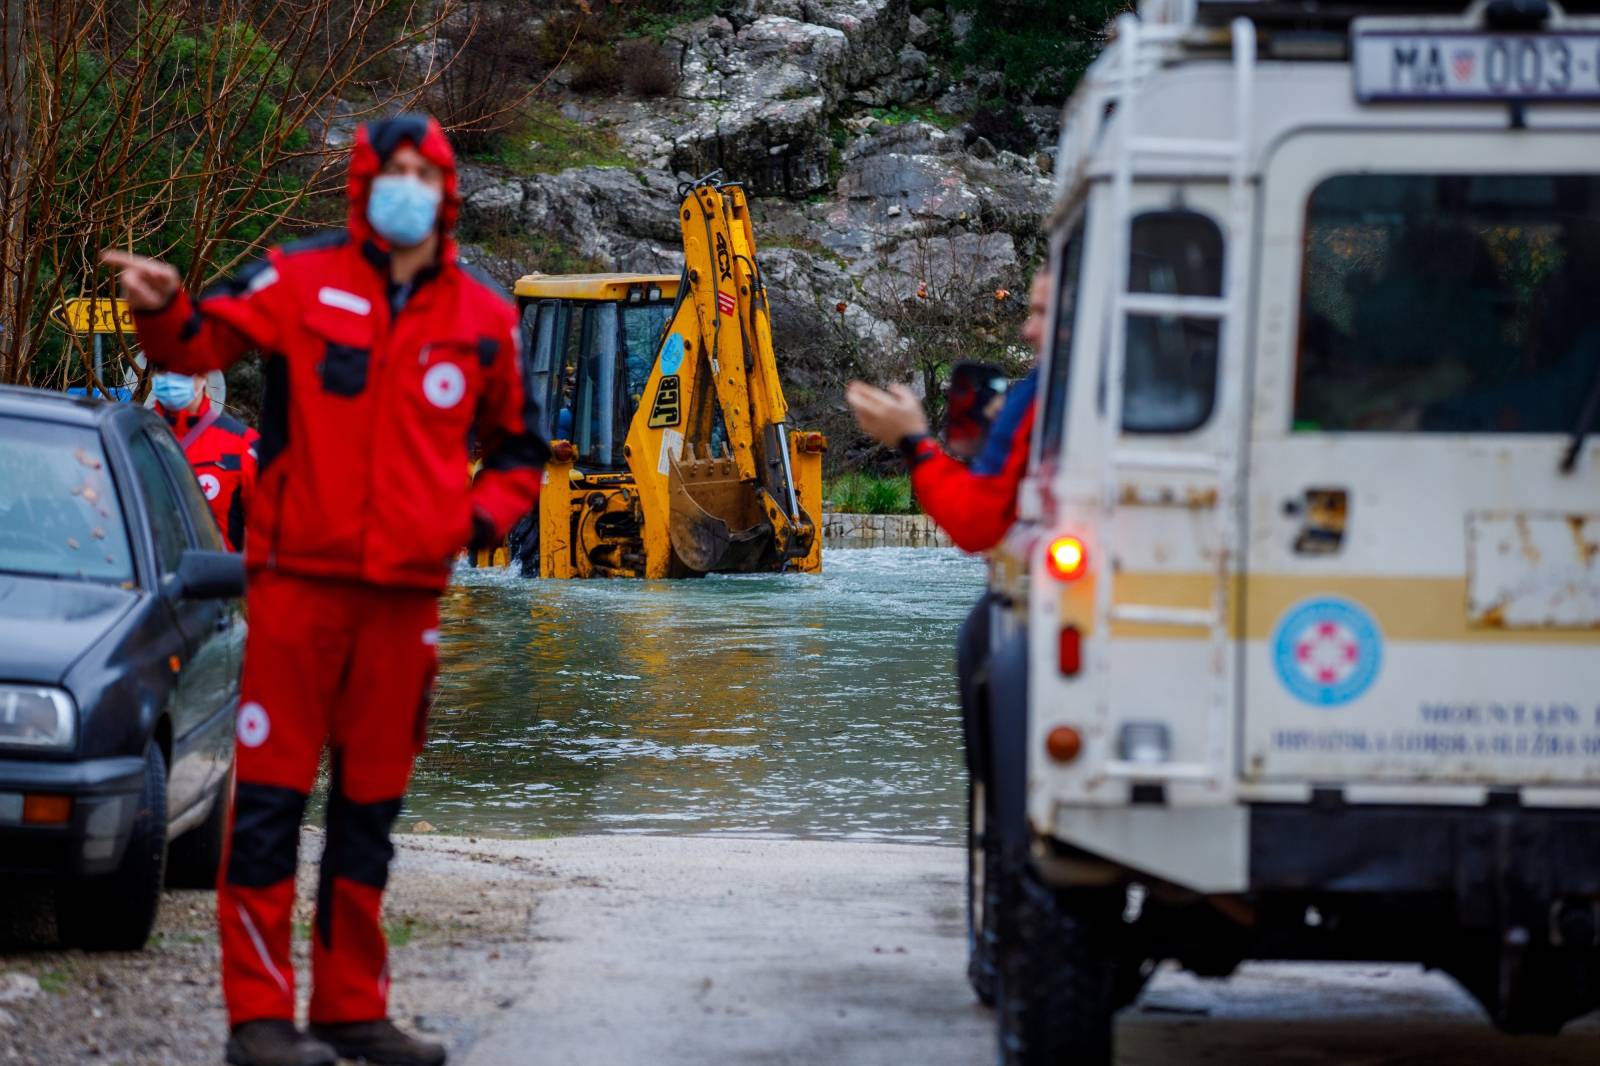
(16, 987)
(981, 148)
(913, 63)
(920, 33)
(961, 26)
(624, 218)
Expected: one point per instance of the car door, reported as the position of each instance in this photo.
(1423, 597)
(205, 673)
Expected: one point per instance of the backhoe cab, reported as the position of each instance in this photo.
(671, 453)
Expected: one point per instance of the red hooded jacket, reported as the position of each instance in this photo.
(222, 451)
(369, 412)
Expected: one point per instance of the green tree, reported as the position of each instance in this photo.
(194, 130)
(1040, 47)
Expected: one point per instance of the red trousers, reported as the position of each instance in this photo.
(349, 666)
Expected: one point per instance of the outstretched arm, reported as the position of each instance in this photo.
(178, 334)
(974, 509)
(514, 451)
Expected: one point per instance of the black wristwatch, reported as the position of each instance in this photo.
(912, 449)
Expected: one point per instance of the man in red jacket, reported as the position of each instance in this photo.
(220, 448)
(382, 357)
(974, 503)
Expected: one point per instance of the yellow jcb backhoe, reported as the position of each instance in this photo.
(672, 453)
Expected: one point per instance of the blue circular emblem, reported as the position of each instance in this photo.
(1327, 651)
(672, 354)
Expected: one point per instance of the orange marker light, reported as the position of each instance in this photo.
(1067, 558)
(1063, 744)
(41, 809)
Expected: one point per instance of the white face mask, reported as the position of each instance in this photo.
(402, 209)
(175, 392)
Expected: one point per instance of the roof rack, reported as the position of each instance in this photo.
(1316, 14)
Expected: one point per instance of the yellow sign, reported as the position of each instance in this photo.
(95, 315)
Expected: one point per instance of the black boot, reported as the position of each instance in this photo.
(276, 1042)
(380, 1042)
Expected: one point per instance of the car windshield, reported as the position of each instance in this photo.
(59, 515)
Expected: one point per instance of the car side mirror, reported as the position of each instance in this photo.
(206, 575)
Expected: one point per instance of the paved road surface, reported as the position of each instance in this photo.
(663, 951)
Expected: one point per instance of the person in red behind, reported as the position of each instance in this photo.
(382, 357)
(220, 448)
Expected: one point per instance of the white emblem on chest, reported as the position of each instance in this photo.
(253, 725)
(444, 385)
(210, 486)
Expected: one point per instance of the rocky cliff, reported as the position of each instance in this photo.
(874, 196)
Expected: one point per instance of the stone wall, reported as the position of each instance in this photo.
(881, 531)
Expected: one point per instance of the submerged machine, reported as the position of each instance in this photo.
(672, 455)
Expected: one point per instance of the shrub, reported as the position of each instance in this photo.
(478, 93)
(858, 493)
(595, 68)
(647, 69)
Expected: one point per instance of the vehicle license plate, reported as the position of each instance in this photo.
(1394, 64)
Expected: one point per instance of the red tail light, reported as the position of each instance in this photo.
(1067, 558)
(1070, 658)
(816, 442)
(562, 451)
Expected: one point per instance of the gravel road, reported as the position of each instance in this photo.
(671, 951)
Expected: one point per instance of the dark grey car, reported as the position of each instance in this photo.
(120, 643)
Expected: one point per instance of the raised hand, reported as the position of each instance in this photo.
(147, 284)
(887, 417)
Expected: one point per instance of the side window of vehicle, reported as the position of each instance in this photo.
(1059, 372)
(162, 504)
(541, 372)
(202, 522)
(1170, 369)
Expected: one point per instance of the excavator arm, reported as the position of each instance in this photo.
(717, 466)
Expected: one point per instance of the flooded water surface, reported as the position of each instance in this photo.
(819, 706)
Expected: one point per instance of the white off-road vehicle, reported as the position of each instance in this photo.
(1297, 640)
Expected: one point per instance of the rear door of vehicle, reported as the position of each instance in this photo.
(1422, 592)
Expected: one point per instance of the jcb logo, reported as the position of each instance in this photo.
(724, 260)
(667, 410)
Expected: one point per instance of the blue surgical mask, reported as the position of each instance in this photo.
(175, 392)
(402, 209)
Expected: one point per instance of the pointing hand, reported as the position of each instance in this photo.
(147, 284)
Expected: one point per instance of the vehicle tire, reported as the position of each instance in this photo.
(983, 882)
(1056, 1002)
(116, 911)
(194, 858)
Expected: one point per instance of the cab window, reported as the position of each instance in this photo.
(1170, 369)
(1060, 369)
(1448, 303)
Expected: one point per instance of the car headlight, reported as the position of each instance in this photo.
(37, 718)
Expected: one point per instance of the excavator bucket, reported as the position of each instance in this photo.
(714, 521)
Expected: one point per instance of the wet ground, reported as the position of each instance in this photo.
(683, 747)
(791, 705)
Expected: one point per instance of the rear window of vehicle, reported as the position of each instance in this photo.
(1170, 369)
(1458, 303)
(59, 515)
